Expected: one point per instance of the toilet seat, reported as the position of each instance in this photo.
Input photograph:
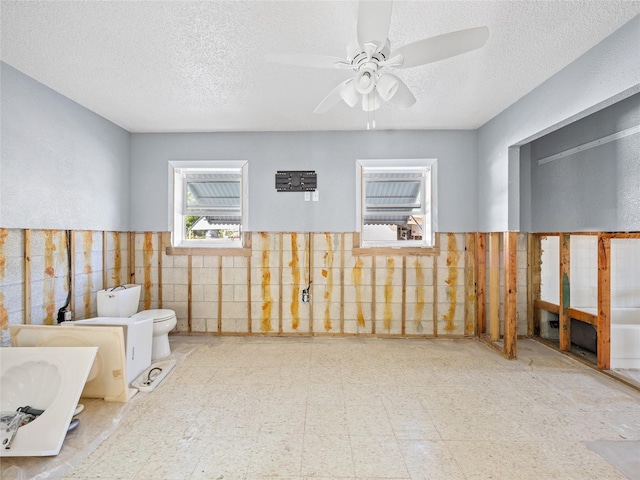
(158, 314)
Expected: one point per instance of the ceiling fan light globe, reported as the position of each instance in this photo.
(349, 94)
(387, 86)
(371, 102)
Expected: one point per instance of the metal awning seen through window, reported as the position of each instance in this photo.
(392, 198)
(216, 196)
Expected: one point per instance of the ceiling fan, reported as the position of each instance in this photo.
(370, 58)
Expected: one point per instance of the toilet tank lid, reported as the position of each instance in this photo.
(158, 315)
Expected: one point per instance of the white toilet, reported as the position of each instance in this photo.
(123, 301)
(163, 322)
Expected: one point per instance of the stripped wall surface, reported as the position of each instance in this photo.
(258, 290)
(261, 294)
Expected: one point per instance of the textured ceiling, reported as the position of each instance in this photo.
(198, 66)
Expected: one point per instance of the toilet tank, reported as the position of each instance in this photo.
(121, 301)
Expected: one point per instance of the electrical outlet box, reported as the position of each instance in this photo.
(314, 195)
(307, 196)
(68, 315)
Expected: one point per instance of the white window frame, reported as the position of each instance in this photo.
(429, 193)
(178, 172)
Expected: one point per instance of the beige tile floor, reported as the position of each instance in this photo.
(297, 408)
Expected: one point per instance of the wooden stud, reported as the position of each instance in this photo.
(604, 303)
(434, 274)
(481, 281)
(534, 280)
(189, 291)
(220, 294)
(404, 296)
(510, 247)
(494, 286)
(27, 278)
(373, 294)
(104, 260)
(131, 255)
(160, 249)
(72, 285)
(310, 252)
(249, 326)
(470, 285)
(342, 282)
(565, 272)
(280, 296)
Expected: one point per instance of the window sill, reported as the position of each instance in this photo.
(398, 251)
(244, 251)
(208, 251)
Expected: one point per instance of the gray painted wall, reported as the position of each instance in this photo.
(61, 165)
(332, 155)
(595, 189)
(598, 76)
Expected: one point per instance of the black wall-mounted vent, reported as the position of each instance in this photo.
(296, 181)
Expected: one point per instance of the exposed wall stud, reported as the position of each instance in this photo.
(604, 302)
(131, 257)
(220, 294)
(434, 272)
(189, 291)
(565, 290)
(510, 246)
(404, 296)
(160, 250)
(280, 296)
(309, 255)
(27, 277)
(104, 260)
(342, 282)
(494, 286)
(249, 326)
(470, 285)
(72, 285)
(373, 294)
(481, 281)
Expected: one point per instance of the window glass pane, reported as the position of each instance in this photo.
(209, 205)
(395, 206)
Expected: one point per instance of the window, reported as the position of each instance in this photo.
(209, 203)
(396, 203)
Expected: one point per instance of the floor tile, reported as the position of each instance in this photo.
(327, 456)
(378, 457)
(429, 460)
(276, 455)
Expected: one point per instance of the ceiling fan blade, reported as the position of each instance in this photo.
(306, 60)
(374, 18)
(443, 46)
(332, 99)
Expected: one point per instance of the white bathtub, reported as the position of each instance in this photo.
(625, 338)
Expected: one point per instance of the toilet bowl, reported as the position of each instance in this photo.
(164, 321)
(123, 301)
